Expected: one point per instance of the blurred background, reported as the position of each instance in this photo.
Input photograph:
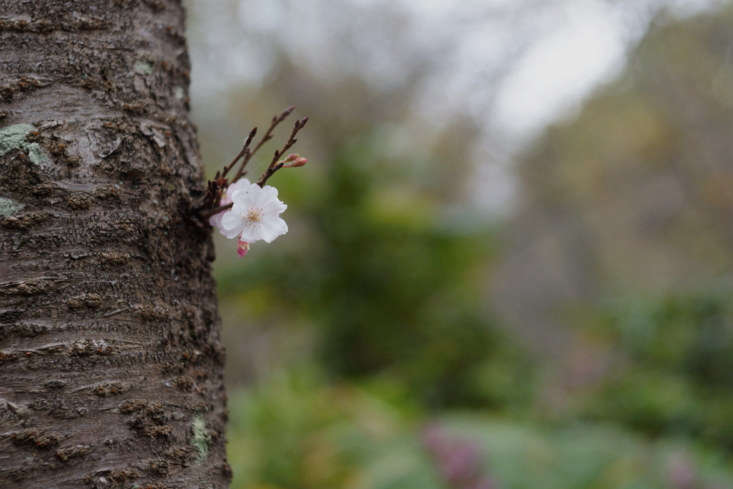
(509, 261)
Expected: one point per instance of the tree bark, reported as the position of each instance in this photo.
(110, 355)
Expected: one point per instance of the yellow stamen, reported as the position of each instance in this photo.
(254, 215)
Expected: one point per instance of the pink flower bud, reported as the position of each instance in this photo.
(298, 162)
(242, 248)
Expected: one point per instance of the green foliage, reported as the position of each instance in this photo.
(296, 432)
(690, 335)
(391, 285)
(678, 377)
(581, 456)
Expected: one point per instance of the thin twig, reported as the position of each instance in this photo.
(210, 212)
(216, 187)
(242, 153)
(268, 135)
(275, 165)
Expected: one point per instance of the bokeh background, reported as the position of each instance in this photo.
(510, 256)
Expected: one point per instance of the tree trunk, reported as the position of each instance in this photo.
(110, 355)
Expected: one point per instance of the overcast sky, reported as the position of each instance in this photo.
(586, 47)
(573, 45)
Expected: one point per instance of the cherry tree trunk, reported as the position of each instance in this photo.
(110, 355)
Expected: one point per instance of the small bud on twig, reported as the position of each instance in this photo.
(296, 163)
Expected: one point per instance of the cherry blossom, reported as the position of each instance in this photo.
(254, 215)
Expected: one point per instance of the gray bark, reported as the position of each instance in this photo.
(110, 355)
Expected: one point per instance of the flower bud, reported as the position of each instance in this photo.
(242, 248)
(300, 161)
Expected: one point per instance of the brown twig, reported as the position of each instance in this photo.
(243, 153)
(210, 212)
(216, 187)
(276, 164)
(268, 135)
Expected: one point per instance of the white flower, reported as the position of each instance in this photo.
(255, 214)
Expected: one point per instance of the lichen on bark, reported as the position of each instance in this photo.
(15, 137)
(8, 207)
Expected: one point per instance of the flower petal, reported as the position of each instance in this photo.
(274, 207)
(215, 220)
(231, 224)
(272, 228)
(241, 190)
(251, 232)
(265, 195)
(270, 192)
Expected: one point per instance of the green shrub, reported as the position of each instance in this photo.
(678, 373)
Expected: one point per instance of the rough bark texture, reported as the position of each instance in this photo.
(110, 357)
